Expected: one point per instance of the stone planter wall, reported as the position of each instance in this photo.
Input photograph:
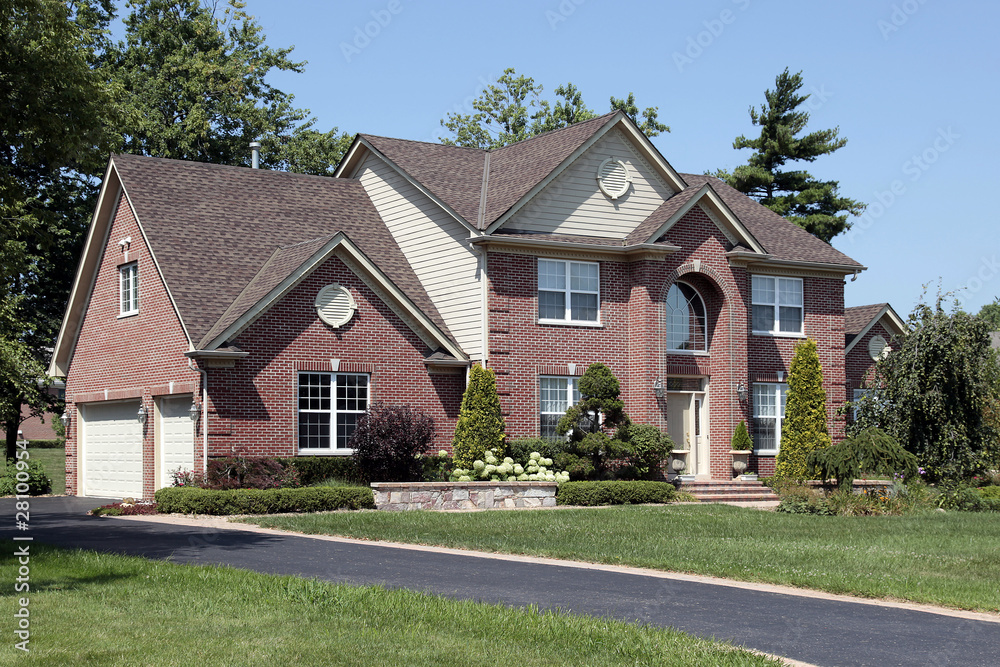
(463, 495)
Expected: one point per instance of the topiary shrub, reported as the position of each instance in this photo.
(389, 441)
(804, 427)
(870, 451)
(192, 500)
(614, 492)
(600, 411)
(480, 421)
(741, 442)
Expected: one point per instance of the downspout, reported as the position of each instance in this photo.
(483, 264)
(204, 412)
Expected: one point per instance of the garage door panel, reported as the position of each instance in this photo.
(112, 449)
(176, 437)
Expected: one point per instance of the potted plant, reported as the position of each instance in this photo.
(741, 446)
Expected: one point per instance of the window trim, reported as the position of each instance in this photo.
(704, 311)
(572, 390)
(567, 293)
(779, 418)
(124, 270)
(776, 322)
(331, 449)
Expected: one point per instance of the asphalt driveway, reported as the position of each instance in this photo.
(807, 629)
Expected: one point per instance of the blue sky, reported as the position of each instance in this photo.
(912, 84)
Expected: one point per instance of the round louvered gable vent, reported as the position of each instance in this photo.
(876, 347)
(335, 305)
(614, 177)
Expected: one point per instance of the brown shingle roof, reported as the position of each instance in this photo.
(213, 229)
(857, 318)
(454, 174)
(780, 238)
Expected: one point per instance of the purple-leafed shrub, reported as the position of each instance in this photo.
(388, 441)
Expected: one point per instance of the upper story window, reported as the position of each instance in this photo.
(568, 291)
(777, 305)
(128, 289)
(686, 324)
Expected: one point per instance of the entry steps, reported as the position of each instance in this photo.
(723, 491)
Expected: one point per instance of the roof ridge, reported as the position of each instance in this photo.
(552, 131)
(234, 167)
(427, 143)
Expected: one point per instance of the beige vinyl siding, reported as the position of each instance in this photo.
(573, 203)
(435, 244)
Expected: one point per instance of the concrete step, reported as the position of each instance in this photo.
(715, 491)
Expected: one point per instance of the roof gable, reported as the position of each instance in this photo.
(859, 320)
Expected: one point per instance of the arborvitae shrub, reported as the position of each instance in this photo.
(804, 427)
(741, 438)
(480, 421)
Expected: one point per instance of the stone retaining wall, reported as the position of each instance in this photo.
(463, 495)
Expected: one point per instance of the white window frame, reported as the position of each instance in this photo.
(568, 293)
(856, 396)
(757, 299)
(128, 289)
(689, 304)
(779, 392)
(571, 397)
(332, 411)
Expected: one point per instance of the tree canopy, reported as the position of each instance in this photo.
(185, 82)
(512, 109)
(938, 393)
(813, 204)
(990, 313)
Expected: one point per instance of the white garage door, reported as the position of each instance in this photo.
(111, 450)
(176, 438)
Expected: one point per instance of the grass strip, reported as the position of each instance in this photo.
(103, 609)
(950, 559)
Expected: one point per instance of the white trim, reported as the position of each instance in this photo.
(567, 292)
(128, 281)
(777, 306)
(893, 319)
(333, 411)
(572, 389)
(779, 418)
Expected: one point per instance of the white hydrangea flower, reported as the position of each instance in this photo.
(535, 456)
(465, 478)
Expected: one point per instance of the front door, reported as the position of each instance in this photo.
(686, 427)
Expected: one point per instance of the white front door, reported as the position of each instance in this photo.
(174, 438)
(686, 426)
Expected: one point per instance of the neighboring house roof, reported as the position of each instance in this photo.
(858, 321)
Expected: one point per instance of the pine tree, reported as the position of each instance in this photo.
(814, 205)
(804, 427)
(480, 421)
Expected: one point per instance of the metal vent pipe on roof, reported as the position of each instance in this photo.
(255, 154)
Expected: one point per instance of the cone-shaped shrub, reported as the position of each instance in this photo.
(741, 438)
(480, 422)
(804, 427)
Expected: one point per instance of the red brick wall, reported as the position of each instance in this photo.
(631, 337)
(130, 357)
(859, 362)
(253, 406)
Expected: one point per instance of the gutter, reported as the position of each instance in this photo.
(567, 245)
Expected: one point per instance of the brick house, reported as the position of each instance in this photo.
(868, 334)
(262, 311)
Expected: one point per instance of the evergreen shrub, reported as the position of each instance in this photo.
(192, 500)
(614, 492)
(480, 423)
(803, 430)
(870, 451)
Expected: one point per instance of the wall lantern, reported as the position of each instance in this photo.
(658, 388)
(741, 391)
(194, 411)
(65, 420)
(141, 414)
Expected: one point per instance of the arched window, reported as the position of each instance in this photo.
(686, 328)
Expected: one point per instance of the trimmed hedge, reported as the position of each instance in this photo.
(314, 469)
(192, 500)
(40, 444)
(615, 492)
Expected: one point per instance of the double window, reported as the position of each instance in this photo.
(329, 407)
(568, 292)
(777, 305)
(768, 414)
(686, 330)
(128, 289)
(557, 394)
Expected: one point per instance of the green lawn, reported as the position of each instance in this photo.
(101, 609)
(54, 461)
(950, 559)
